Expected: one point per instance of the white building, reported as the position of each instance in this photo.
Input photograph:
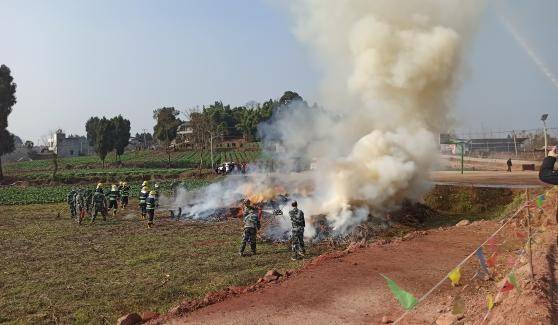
(69, 146)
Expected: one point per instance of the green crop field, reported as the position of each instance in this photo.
(135, 159)
(18, 195)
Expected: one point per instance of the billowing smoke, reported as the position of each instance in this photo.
(390, 69)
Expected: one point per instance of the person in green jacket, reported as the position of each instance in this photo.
(144, 193)
(251, 227)
(151, 203)
(113, 197)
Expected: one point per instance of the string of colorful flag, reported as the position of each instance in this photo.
(409, 302)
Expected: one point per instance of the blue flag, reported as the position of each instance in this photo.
(482, 261)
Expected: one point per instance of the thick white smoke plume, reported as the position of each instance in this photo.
(390, 68)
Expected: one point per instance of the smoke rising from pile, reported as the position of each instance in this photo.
(390, 69)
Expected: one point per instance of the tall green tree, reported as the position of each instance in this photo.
(91, 128)
(166, 127)
(290, 97)
(7, 101)
(121, 134)
(104, 138)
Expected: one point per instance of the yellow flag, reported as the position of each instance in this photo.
(455, 276)
(490, 302)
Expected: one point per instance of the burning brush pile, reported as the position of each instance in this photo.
(273, 204)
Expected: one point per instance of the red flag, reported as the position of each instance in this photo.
(491, 261)
(507, 287)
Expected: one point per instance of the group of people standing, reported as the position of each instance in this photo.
(84, 202)
(252, 223)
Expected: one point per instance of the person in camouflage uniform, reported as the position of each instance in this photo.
(80, 205)
(99, 203)
(70, 199)
(251, 227)
(144, 193)
(113, 197)
(88, 195)
(150, 204)
(124, 194)
(297, 238)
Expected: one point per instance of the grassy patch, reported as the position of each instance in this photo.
(56, 271)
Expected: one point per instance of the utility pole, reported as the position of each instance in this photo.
(211, 137)
(543, 119)
(144, 138)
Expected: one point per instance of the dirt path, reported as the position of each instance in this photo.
(349, 289)
(488, 178)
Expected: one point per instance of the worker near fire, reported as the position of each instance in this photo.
(144, 193)
(113, 197)
(547, 173)
(297, 237)
(124, 195)
(70, 199)
(150, 204)
(156, 190)
(99, 203)
(251, 227)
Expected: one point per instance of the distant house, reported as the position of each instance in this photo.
(72, 145)
(184, 136)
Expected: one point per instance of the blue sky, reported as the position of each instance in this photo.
(73, 59)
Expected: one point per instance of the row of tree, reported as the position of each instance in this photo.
(219, 122)
(7, 101)
(106, 135)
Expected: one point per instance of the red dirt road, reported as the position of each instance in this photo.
(350, 290)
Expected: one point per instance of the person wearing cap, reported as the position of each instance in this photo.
(144, 193)
(251, 227)
(124, 195)
(156, 190)
(547, 173)
(113, 196)
(150, 204)
(99, 203)
(297, 236)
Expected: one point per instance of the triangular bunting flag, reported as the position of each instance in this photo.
(482, 261)
(455, 276)
(507, 286)
(540, 201)
(513, 281)
(407, 300)
(490, 302)
(491, 261)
